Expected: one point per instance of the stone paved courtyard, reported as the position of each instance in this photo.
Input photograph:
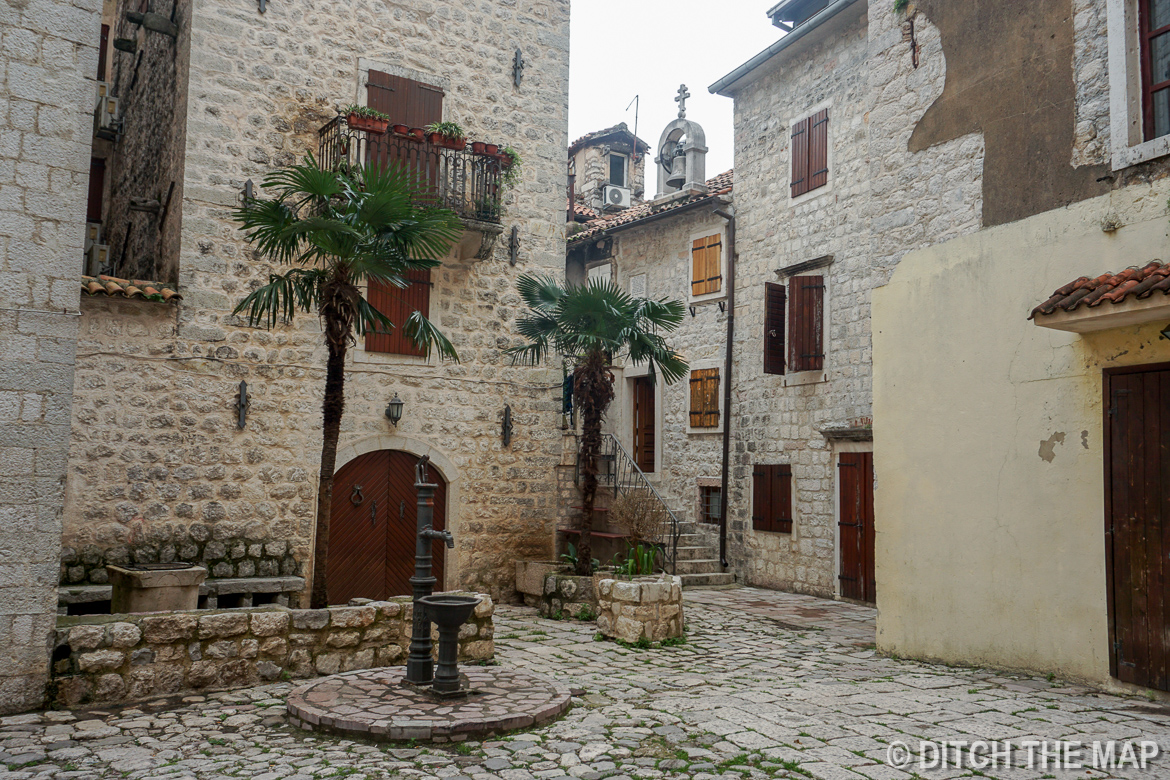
(767, 685)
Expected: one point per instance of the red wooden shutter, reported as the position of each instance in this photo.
(398, 304)
(818, 150)
(800, 158)
(806, 310)
(409, 103)
(781, 489)
(761, 510)
(774, 295)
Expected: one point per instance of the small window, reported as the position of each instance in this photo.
(617, 170)
(806, 323)
(772, 498)
(398, 304)
(706, 265)
(710, 499)
(602, 272)
(810, 153)
(705, 398)
(1155, 40)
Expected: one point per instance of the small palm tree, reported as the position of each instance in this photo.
(338, 229)
(591, 325)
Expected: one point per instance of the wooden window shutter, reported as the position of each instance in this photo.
(761, 511)
(398, 304)
(774, 301)
(706, 265)
(818, 150)
(705, 398)
(405, 101)
(806, 323)
(800, 158)
(781, 489)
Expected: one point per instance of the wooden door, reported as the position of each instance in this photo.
(855, 478)
(644, 433)
(372, 527)
(1137, 523)
(408, 103)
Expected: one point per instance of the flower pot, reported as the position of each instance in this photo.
(492, 148)
(478, 146)
(367, 123)
(402, 129)
(417, 133)
(435, 138)
(458, 144)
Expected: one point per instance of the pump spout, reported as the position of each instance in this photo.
(430, 533)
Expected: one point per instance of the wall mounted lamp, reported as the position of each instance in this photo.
(394, 410)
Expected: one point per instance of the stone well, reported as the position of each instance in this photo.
(642, 608)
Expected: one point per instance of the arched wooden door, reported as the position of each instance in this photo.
(373, 525)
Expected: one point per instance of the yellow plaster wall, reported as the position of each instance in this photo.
(988, 440)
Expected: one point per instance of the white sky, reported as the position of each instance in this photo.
(622, 48)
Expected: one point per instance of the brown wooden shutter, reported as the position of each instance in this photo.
(706, 265)
(774, 298)
(405, 101)
(781, 490)
(103, 46)
(818, 150)
(800, 158)
(698, 265)
(761, 510)
(95, 206)
(705, 398)
(806, 323)
(398, 304)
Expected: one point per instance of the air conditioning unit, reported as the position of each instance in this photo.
(617, 197)
(96, 257)
(105, 114)
(93, 234)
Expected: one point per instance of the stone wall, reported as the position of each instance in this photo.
(111, 658)
(156, 451)
(47, 68)
(647, 608)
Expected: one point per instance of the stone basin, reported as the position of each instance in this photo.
(155, 587)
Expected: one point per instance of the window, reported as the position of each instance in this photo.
(617, 170)
(774, 296)
(710, 499)
(806, 323)
(398, 304)
(772, 498)
(602, 272)
(810, 153)
(1154, 18)
(707, 265)
(705, 398)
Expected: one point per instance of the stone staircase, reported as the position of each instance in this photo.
(698, 555)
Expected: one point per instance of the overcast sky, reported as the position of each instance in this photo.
(623, 48)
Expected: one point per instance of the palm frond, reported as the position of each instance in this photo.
(540, 293)
(427, 337)
(285, 294)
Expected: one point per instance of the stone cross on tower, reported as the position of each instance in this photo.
(682, 101)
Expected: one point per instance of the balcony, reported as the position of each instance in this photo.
(466, 182)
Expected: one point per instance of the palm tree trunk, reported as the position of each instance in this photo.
(593, 388)
(333, 407)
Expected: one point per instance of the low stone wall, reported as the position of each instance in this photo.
(101, 659)
(566, 595)
(643, 608)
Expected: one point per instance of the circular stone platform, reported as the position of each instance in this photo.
(375, 704)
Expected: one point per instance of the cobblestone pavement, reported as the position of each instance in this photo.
(753, 693)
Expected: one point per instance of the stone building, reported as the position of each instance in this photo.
(607, 170)
(137, 450)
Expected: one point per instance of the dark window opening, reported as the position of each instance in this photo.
(1155, 43)
(617, 170)
(709, 504)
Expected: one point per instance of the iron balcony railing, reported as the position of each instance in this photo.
(467, 182)
(618, 470)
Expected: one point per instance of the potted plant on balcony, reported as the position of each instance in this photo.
(367, 119)
(510, 165)
(401, 129)
(487, 208)
(448, 134)
(416, 134)
(478, 147)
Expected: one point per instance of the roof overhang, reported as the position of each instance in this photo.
(725, 85)
(1090, 319)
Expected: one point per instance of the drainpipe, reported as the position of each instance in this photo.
(727, 384)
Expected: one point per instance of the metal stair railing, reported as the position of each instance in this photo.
(618, 469)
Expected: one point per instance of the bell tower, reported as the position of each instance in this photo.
(682, 153)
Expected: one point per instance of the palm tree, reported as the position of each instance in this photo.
(591, 325)
(337, 229)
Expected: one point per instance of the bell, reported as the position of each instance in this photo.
(678, 172)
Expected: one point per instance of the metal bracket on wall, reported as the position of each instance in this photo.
(263, 5)
(506, 428)
(242, 404)
(514, 245)
(517, 67)
(154, 22)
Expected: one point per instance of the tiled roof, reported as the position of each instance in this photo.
(581, 210)
(113, 287)
(720, 185)
(597, 135)
(1131, 283)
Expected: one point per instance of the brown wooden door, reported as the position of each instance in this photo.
(644, 433)
(408, 103)
(855, 472)
(372, 530)
(1137, 530)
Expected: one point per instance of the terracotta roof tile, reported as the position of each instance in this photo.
(113, 287)
(581, 210)
(1133, 282)
(720, 185)
(597, 135)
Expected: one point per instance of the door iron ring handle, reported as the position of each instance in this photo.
(356, 497)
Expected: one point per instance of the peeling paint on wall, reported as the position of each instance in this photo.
(1048, 446)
